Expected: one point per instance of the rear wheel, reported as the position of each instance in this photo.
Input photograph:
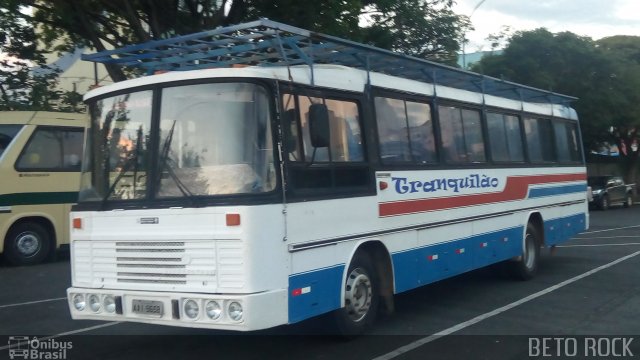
(526, 266)
(27, 243)
(629, 201)
(360, 298)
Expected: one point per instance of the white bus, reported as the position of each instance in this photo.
(243, 198)
(40, 154)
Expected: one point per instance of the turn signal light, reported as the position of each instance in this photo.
(77, 223)
(233, 219)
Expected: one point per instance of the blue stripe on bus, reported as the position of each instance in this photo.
(429, 264)
(420, 266)
(557, 190)
(323, 295)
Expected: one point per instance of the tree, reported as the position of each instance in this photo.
(424, 28)
(625, 125)
(603, 75)
(20, 88)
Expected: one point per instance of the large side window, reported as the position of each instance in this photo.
(345, 144)
(566, 140)
(461, 132)
(405, 131)
(505, 137)
(539, 139)
(52, 149)
(321, 169)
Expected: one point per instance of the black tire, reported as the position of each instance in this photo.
(526, 267)
(361, 298)
(27, 243)
(629, 201)
(605, 203)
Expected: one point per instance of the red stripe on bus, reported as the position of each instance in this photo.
(515, 189)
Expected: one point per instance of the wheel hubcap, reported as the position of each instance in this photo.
(358, 294)
(27, 244)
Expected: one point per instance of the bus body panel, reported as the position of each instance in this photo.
(459, 229)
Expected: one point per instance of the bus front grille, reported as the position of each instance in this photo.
(195, 265)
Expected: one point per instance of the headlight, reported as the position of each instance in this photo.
(191, 309)
(109, 303)
(596, 192)
(78, 302)
(235, 311)
(213, 310)
(94, 303)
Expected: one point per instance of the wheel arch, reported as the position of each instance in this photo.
(536, 219)
(381, 259)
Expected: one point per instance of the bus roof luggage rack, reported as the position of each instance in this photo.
(269, 43)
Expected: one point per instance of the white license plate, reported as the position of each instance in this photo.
(148, 307)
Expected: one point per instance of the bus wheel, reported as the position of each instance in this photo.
(27, 244)
(360, 298)
(526, 266)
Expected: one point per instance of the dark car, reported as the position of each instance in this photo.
(609, 190)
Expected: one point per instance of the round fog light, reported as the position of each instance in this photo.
(94, 303)
(78, 302)
(109, 303)
(213, 310)
(191, 309)
(235, 311)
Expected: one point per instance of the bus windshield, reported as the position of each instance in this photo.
(212, 139)
(7, 133)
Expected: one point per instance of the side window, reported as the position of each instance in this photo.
(461, 132)
(344, 127)
(505, 138)
(539, 140)
(562, 141)
(52, 149)
(393, 135)
(423, 144)
(7, 133)
(322, 171)
(566, 139)
(405, 131)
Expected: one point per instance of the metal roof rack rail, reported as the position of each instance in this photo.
(269, 43)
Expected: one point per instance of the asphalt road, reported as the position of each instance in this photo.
(585, 296)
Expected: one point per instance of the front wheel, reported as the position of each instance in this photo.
(360, 298)
(526, 266)
(27, 244)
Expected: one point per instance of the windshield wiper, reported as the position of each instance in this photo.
(164, 164)
(132, 159)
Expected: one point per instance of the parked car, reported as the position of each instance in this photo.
(609, 190)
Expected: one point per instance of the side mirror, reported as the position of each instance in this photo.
(319, 125)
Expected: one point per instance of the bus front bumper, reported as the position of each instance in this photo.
(244, 312)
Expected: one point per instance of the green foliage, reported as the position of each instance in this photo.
(604, 75)
(426, 29)
(423, 28)
(26, 82)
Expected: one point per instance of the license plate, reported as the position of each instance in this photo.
(148, 307)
